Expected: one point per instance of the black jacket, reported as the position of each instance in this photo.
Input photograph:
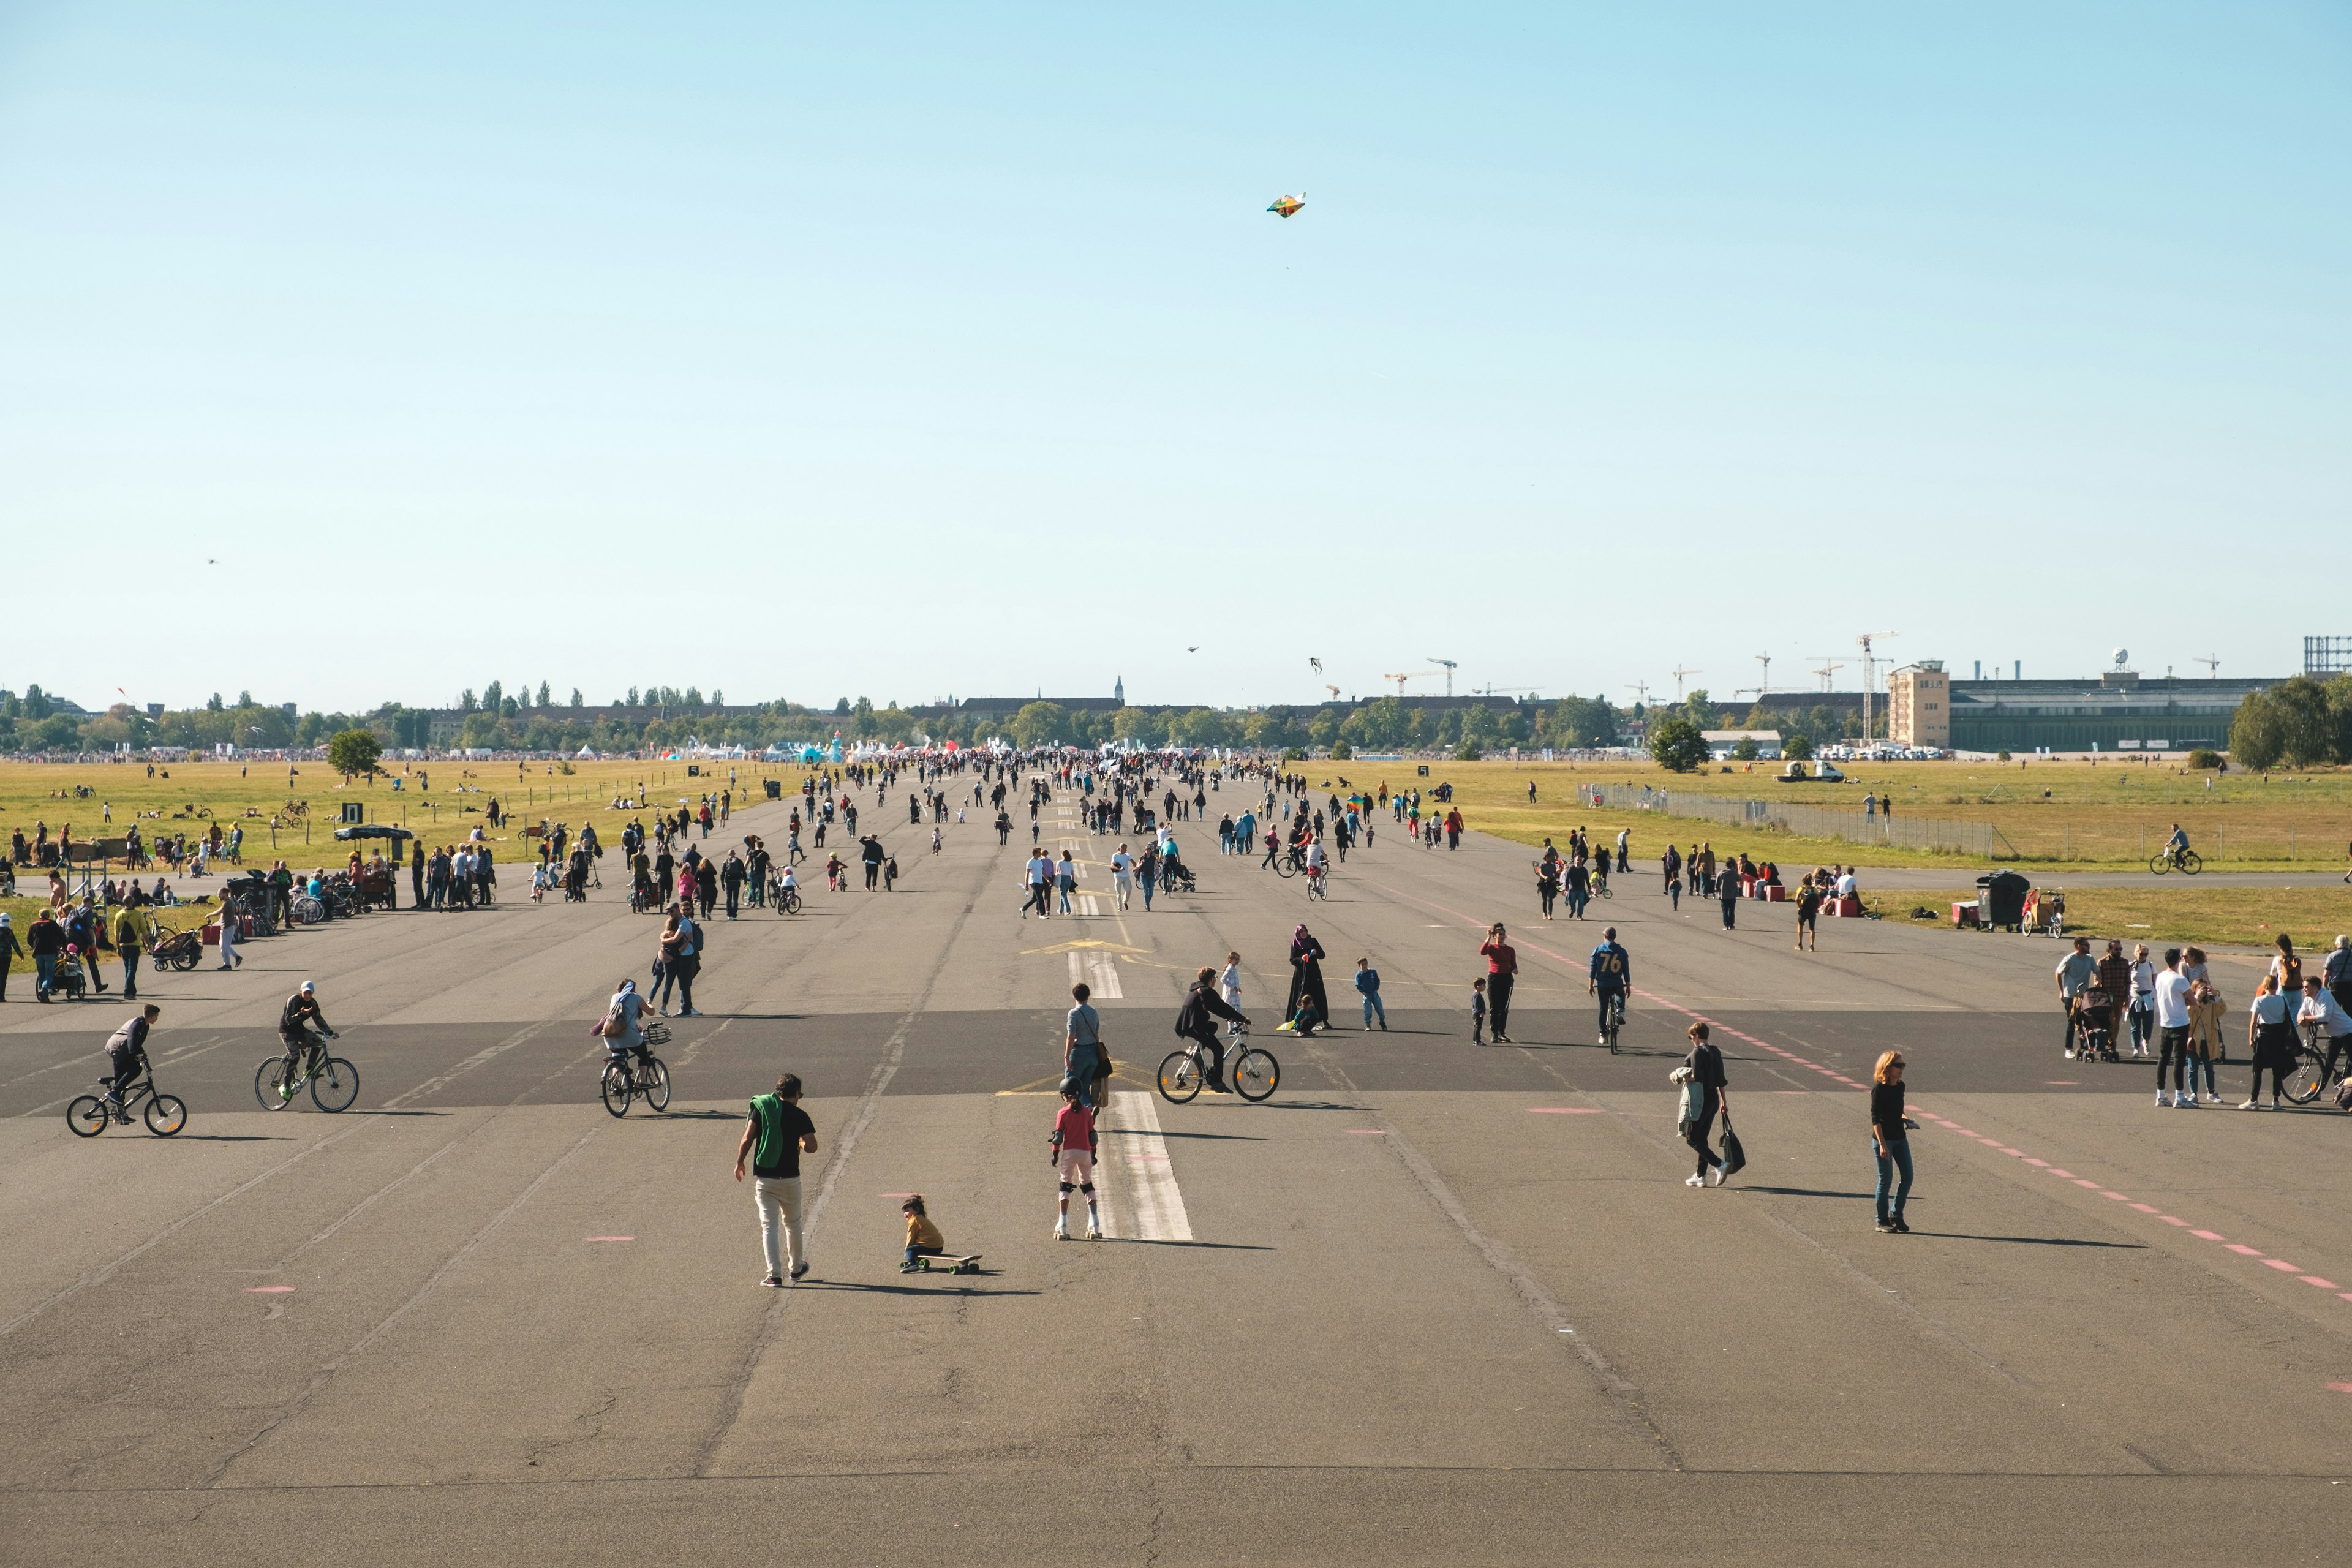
(1202, 1007)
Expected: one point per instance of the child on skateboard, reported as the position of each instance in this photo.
(923, 1237)
(1073, 1149)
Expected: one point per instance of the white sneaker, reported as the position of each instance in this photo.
(1693, 1181)
(2212, 1099)
(2251, 1105)
(2162, 1100)
(2186, 1103)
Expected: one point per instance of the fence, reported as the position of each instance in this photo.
(1977, 838)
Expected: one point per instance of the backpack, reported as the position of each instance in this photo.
(615, 1024)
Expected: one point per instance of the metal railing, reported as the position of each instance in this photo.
(1806, 821)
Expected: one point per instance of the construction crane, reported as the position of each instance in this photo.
(1509, 688)
(1401, 676)
(1766, 660)
(1869, 673)
(1641, 689)
(2212, 666)
(1451, 666)
(1678, 672)
(1827, 669)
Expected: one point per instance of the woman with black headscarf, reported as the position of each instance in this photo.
(1306, 980)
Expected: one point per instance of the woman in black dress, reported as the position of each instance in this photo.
(1306, 979)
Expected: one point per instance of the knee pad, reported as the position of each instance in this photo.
(1088, 1188)
(1066, 1189)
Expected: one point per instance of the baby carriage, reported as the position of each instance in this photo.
(69, 981)
(2094, 1038)
(1176, 877)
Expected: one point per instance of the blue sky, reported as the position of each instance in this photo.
(841, 351)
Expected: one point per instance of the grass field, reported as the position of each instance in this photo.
(2243, 916)
(2109, 816)
(439, 801)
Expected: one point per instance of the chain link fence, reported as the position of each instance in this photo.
(1977, 838)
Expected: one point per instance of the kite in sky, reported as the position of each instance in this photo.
(1285, 207)
(1318, 664)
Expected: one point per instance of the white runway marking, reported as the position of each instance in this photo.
(1143, 1176)
(1106, 977)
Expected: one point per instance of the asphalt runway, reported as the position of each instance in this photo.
(1432, 1302)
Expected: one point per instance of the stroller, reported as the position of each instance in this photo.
(2095, 1036)
(181, 950)
(69, 980)
(1175, 876)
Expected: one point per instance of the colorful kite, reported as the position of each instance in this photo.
(1285, 207)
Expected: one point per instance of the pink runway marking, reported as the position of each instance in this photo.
(2341, 1387)
(2209, 1235)
(2064, 1083)
(898, 1194)
(2282, 1266)
(1369, 1132)
(2144, 1208)
(269, 1290)
(2316, 1279)
(612, 1239)
(1563, 1110)
(2242, 1250)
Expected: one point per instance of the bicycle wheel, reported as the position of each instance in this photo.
(2308, 1077)
(793, 901)
(308, 910)
(2160, 863)
(87, 1116)
(166, 1114)
(1606, 892)
(274, 1083)
(655, 1085)
(2191, 863)
(1179, 1078)
(335, 1085)
(1283, 868)
(1257, 1075)
(616, 1088)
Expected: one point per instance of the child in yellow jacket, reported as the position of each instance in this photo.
(923, 1237)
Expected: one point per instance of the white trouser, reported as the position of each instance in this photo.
(780, 1196)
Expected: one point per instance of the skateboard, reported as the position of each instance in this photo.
(969, 1264)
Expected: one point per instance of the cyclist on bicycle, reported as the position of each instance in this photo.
(622, 1030)
(2177, 846)
(295, 1027)
(1315, 863)
(1197, 1022)
(126, 1055)
(1611, 973)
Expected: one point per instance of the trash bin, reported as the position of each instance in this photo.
(2000, 900)
(775, 789)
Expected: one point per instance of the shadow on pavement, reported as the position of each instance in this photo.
(2034, 1240)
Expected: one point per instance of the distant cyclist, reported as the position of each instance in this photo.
(623, 1028)
(2176, 848)
(300, 1027)
(1611, 973)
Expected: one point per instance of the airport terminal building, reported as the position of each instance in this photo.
(2114, 712)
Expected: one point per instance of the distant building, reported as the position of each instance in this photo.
(1919, 705)
(1721, 743)
(2113, 711)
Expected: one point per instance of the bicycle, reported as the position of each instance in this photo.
(165, 1113)
(1291, 861)
(2188, 861)
(1613, 1020)
(2309, 1078)
(307, 911)
(1253, 1072)
(333, 1082)
(1319, 882)
(629, 1077)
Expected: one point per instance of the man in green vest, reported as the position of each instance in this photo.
(777, 1134)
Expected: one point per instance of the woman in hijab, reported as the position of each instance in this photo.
(1306, 979)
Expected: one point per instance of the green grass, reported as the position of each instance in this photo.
(2110, 815)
